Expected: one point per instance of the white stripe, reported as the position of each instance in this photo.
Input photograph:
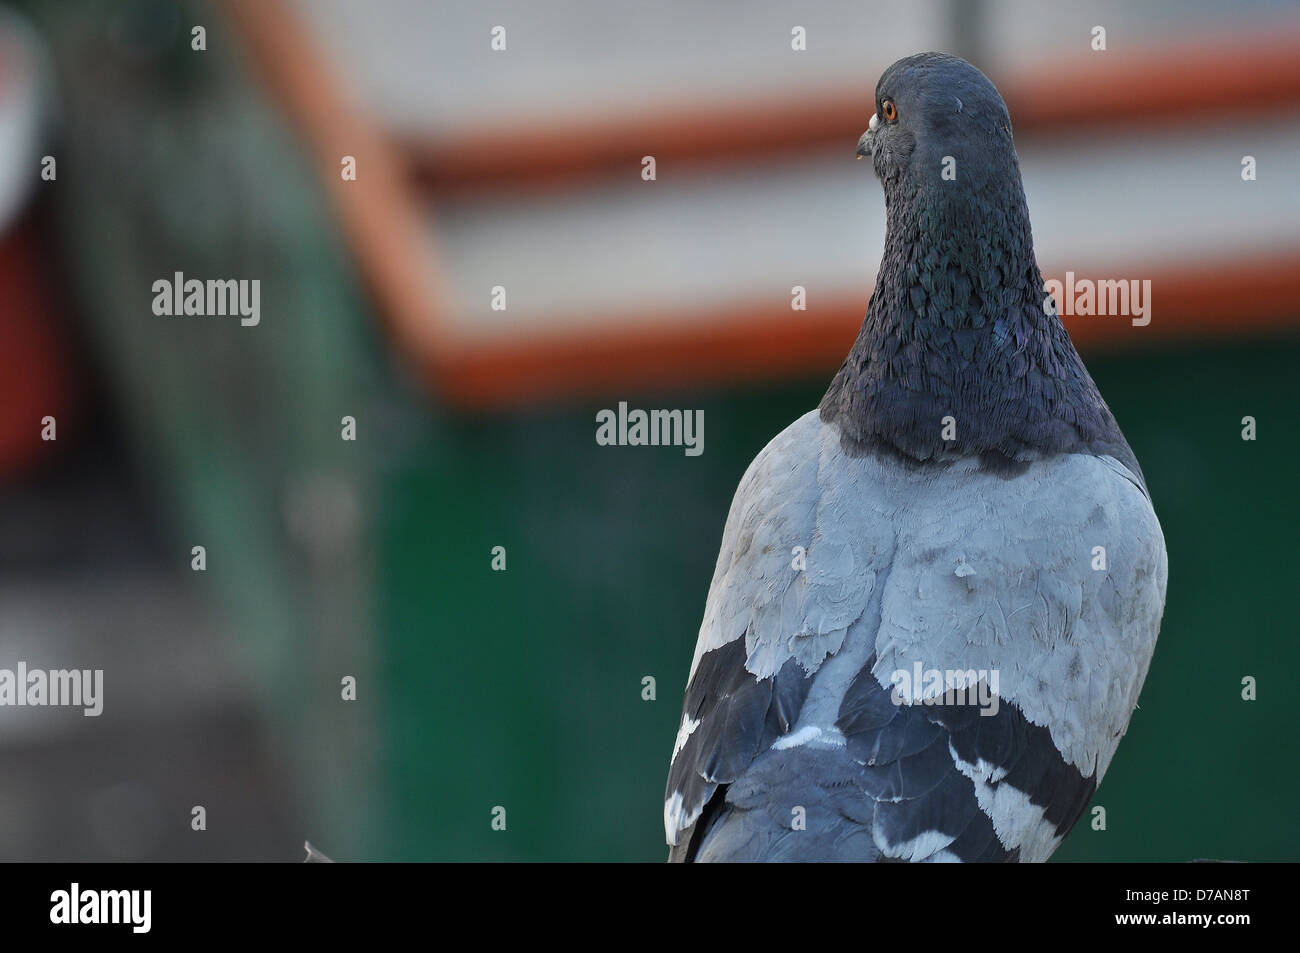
(683, 735)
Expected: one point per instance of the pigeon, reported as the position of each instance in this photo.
(938, 594)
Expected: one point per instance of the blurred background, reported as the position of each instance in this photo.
(521, 168)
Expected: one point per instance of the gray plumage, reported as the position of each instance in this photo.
(971, 554)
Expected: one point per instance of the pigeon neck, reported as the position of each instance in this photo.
(957, 356)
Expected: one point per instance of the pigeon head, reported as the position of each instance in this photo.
(939, 121)
(961, 352)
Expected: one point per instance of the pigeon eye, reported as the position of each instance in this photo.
(888, 111)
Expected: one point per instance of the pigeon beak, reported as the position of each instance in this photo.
(864, 143)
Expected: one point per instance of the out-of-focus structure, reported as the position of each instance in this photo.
(532, 161)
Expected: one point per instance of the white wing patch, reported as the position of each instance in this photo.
(814, 735)
(926, 846)
(684, 734)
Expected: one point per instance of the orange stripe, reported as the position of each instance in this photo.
(1240, 76)
(765, 340)
(380, 216)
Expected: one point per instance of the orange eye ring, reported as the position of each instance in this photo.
(888, 111)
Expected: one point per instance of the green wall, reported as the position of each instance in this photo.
(523, 688)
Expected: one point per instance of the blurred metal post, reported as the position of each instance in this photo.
(966, 30)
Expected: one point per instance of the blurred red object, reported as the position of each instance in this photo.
(36, 378)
